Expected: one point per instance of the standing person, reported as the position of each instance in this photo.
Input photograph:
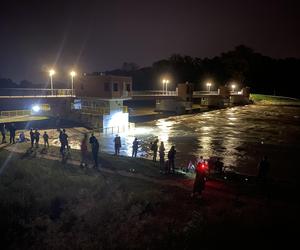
(95, 151)
(62, 146)
(92, 138)
(162, 156)
(117, 142)
(135, 146)
(263, 169)
(199, 183)
(154, 148)
(3, 132)
(31, 133)
(46, 139)
(12, 133)
(36, 137)
(65, 139)
(200, 160)
(84, 151)
(171, 158)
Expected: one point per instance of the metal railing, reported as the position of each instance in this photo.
(117, 129)
(155, 93)
(14, 113)
(33, 92)
(195, 93)
(90, 110)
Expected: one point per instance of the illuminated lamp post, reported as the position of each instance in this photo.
(72, 74)
(165, 81)
(51, 73)
(208, 86)
(233, 87)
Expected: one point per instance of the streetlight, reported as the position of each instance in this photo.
(208, 86)
(51, 73)
(72, 74)
(233, 87)
(165, 81)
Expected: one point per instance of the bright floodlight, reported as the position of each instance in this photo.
(36, 108)
(208, 86)
(233, 87)
(51, 72)
(73, 73)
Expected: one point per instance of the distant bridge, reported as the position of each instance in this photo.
(6, 93)
(64, 93)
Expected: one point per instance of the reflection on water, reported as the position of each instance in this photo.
(239, 135)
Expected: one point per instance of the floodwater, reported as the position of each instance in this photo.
(240, 136)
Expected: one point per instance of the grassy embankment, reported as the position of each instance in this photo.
(50, 205)
(274, 100)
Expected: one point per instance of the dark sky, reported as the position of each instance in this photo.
(101, 35)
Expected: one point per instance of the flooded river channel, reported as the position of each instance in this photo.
(239, 135)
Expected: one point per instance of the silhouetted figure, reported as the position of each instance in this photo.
(3, 133)
(46, 139)
(117, 142)
(154, 148)
(200, 160)
(31, 133)
(162, 157)
(219, 166)
(199, 183)
(92, 139)
(84, 151)
(135, 146)
(263, 169)
(36, 137)
(12, 133)
(62, 146)
(171, 158)
(95, 149)
(22, 137)
(65, 138)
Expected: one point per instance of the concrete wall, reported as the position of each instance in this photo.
(171, 105)
(239, 100)
(213, 101)
(58, 106)
(185, 91)
(103, 86)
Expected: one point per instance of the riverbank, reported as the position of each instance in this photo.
(274, 100)
(47, 204)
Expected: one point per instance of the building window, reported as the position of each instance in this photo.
(106, 86)
(128, 87)
(116, 86)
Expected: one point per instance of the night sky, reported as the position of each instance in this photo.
(101, 35)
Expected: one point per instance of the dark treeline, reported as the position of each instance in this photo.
(242, 65)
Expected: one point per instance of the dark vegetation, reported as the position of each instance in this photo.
(49, 205)
(242, 65)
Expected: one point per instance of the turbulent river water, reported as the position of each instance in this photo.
(240, 136)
